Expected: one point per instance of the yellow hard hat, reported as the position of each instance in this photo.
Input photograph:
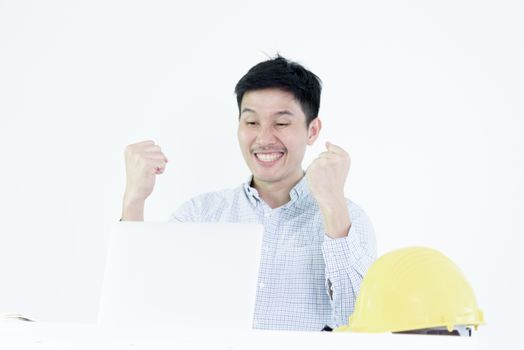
(414, 288)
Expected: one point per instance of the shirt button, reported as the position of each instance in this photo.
(261, 285)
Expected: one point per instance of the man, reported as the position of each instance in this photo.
(317, 245)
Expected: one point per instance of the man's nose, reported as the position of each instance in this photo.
(265, 136)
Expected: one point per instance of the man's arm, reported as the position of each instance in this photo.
(335, 217)
(326, 177)
(132, 210)
(144, 160)
(349, 243)
(347, 260)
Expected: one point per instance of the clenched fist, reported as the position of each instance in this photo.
(327, 174)
(326, 177)
(144, 160)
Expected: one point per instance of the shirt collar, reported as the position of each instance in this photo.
(251, 192)
(300, 190)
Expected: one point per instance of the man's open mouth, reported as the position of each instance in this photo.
(269, 157)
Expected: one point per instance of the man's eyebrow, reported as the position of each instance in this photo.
(277, 114)
(284, 112)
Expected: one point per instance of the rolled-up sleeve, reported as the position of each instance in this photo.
(347, 259)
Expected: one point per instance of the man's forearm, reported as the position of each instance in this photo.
(335, 215)
(133, 210)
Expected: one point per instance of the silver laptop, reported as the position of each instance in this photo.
(189, 274)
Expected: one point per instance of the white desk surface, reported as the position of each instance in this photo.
(34, 335)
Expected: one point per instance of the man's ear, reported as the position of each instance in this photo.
(313, 131)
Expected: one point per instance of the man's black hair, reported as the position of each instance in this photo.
(289, 76)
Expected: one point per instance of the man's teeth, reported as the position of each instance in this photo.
(269, 157)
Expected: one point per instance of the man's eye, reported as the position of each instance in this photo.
(282, 124)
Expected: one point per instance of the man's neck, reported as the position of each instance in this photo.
(276, 194)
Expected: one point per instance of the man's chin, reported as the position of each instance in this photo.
(271, 176)
(267, 178)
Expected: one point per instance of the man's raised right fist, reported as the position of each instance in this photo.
(144, 160)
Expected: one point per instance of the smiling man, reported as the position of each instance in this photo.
(317, 244)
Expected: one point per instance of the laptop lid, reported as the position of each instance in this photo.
(189, 274)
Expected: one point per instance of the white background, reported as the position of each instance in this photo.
(427, 97)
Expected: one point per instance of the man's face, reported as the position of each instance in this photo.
(273, 135)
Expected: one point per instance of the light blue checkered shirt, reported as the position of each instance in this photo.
(307, 280)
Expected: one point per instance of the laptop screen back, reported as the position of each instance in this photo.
(189, 274)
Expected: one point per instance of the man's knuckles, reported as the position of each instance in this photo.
(329, 161)
(141, 147)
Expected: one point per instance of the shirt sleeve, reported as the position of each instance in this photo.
(187, 212)
(206, 207)
(347, 260)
